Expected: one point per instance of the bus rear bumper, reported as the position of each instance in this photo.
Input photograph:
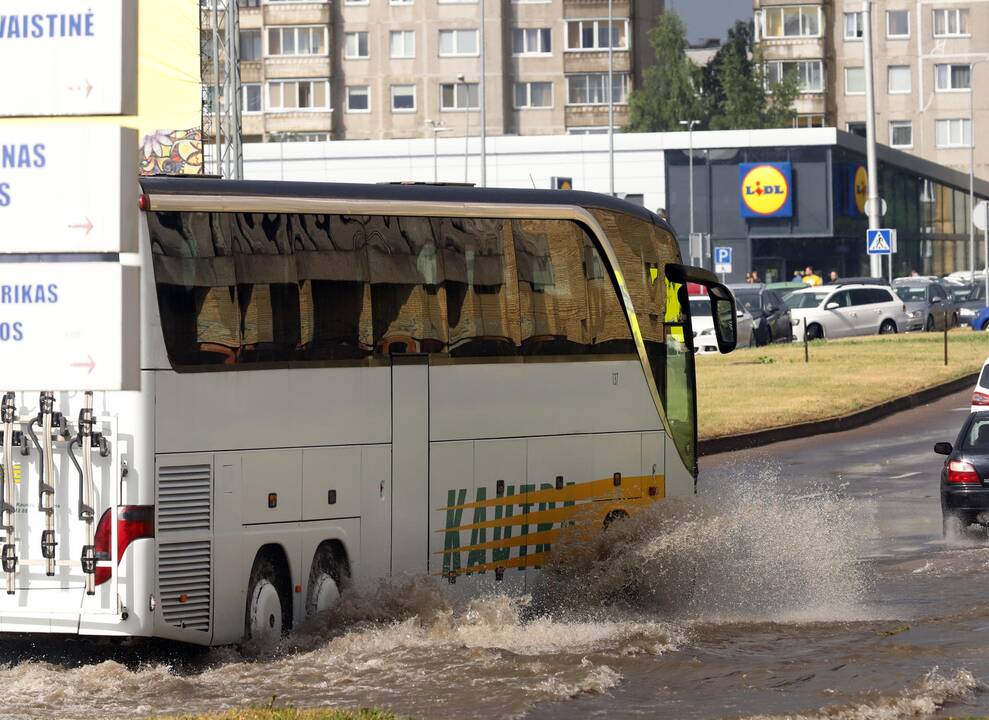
(127, 617)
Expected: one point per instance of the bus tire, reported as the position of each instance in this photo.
(269, 613)
(328, 577)
(614, 515)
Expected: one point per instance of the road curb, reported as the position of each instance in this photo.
(716, 445)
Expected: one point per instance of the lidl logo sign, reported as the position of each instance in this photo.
(765, 190)
(861, 188)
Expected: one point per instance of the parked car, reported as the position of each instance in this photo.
(703, 325)
(770, 315)
(833, 311)
(980, 321)
(980, 396)
(965, 475)
(969, 300)
(928, 303)
(859, 281)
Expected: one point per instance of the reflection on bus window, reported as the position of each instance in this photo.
(252, 288)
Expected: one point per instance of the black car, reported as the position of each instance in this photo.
(965, 475)
(770, 315)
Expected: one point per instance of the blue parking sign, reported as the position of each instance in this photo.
(722, 259)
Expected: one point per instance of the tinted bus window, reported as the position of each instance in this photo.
(253, 288)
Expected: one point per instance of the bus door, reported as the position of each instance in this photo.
(61, 502)
(410, 463)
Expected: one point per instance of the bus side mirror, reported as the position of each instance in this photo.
(722, 301)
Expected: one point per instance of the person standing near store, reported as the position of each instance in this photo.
(811, 278)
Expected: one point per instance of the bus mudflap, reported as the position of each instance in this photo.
(8, 555)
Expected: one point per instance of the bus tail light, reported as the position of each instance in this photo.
(962, 473)
(133, 523)
(980, 398)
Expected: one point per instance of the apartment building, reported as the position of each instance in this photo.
(931, 58)
(376, 69)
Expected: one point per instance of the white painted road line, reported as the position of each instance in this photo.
(905, 475)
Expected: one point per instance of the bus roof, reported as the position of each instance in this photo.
(164, 185)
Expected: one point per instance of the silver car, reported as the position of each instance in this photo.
(928, 303)
(832, 311)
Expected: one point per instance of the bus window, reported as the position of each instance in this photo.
(643, 251)
(552, 288)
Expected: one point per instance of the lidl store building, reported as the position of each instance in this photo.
(781, 199)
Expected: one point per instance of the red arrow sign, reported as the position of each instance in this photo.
(87, 226)
(90, 364)
(87, 88)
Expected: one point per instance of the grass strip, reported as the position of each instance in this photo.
(768, 387)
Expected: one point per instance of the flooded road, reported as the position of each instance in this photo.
(809, 579)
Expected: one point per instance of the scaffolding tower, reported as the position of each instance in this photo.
(219, 53)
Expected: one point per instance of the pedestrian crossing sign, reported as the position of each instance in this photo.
(880, 241)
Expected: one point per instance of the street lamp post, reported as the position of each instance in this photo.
(611, 99)
(690, 135)
(875, 262)
(971, 174)
(463, 83)
(436, 128)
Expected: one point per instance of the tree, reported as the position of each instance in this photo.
(729, 93)
(738, 87)
(669, 90)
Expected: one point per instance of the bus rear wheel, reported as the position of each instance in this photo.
(266, 612)
(327, 579)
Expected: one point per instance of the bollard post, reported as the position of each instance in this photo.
(945, 323)
(806, 353)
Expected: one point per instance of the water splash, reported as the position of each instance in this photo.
(756, 553)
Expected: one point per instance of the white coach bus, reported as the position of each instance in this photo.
(342, 383)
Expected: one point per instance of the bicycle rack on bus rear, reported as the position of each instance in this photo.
(54, 431)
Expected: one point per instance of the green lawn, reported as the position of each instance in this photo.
(761, 388)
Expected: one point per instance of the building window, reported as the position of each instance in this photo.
(355, 2)
(856, 128)
(457, 2)
(792, 21)
(301, 40)
(531, 41)
(950, 77)
(403, 43)
(533, 95)
(810, 74)
(403, 98)
(950, 22)
(284, 95)
(358, 99)
(854, 81)
(901, 134)
(591, 89)
(897, 24)
(297, 136)
(853, 26)
(956, 132)
(245, 3)
(250, 45)
(812, 120)
(458, 43)
(250, 98)
(593, 35)
(898, 79)
(356, 45)
(400, 2)
(458, 96)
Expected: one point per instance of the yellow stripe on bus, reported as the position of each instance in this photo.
(536, 559)
(546, 537)
(595, 490)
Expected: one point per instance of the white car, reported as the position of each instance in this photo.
(834, 311)
(980, 396)
(703, 325)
